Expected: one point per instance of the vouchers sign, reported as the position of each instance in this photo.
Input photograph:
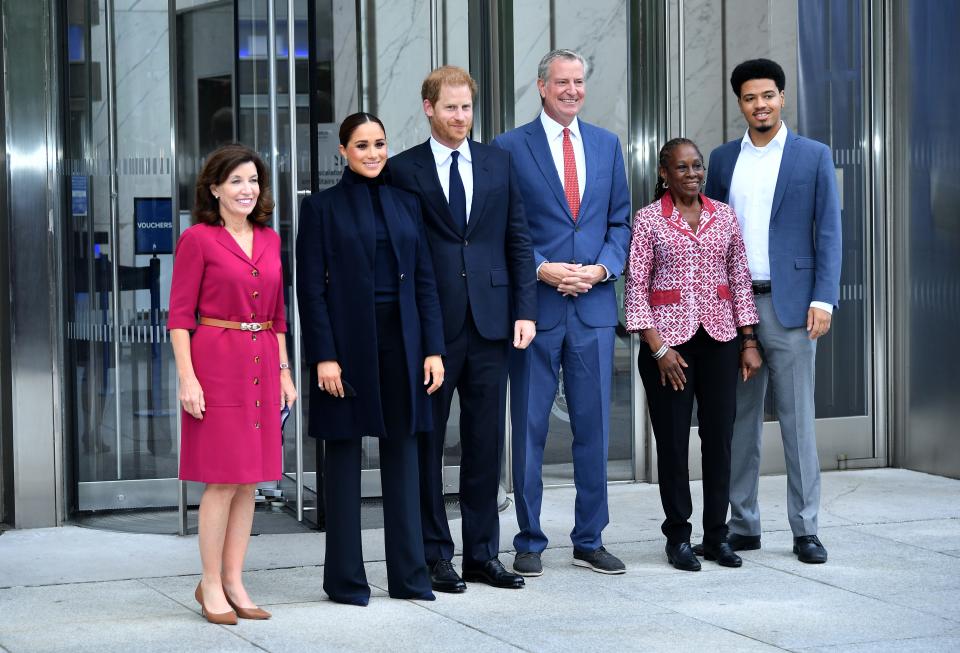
(153, 219)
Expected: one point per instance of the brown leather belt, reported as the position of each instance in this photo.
(242, 326)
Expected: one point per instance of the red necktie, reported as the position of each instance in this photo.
(571, 187)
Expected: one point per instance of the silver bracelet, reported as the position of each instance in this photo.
(660, 353)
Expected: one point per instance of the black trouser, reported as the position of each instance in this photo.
(712, 378)
(344, 579)
(477, 369)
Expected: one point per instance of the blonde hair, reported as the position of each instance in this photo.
(446, 76)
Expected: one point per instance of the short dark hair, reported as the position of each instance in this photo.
(354, 120)
(218, 166)
(757, 69)
(664, 158)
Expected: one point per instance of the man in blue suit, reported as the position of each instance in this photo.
(783, 188)
(486, 279)
(575, 193)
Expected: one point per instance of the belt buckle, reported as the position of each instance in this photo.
(250, 326)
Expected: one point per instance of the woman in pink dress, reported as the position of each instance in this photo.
(234, 372)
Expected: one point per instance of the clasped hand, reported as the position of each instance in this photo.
(572, 279)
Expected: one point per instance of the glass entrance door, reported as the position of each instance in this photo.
(118, 254)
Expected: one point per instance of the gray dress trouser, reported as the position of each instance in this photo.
(788, 362)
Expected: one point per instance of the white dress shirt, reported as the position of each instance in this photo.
(751, 196)
(554, 131)
(442, 157)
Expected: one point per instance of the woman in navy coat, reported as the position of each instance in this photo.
(373, 337)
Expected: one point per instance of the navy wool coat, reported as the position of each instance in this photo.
(336, 246)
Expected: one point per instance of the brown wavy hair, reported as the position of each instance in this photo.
(216, 169)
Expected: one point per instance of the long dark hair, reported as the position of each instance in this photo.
(218, 166)
(661, 189)
(354, 120)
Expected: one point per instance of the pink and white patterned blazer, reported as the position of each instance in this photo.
(678, 279)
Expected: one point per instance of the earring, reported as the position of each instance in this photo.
(666, 185)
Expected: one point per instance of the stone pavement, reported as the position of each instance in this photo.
(892, 584)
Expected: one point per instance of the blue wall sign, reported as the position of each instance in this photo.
(153, 217)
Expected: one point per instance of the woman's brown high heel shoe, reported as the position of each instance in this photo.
(222, 618)
(247, 613)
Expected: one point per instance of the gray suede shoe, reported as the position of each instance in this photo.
(528, 564)
(601, 561)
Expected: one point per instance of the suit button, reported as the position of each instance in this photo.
(463, 273)
(257, 425)
(402, 276)
(255, 273)
(253, 315)
(256, 359)
(253, 336)
(466, 243)
(577, 229)
(258, 403)
(256, 380)
(255, 294)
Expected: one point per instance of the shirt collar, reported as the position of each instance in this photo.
(667, 205)
(554, 129)
(441, 152)
(780, 140)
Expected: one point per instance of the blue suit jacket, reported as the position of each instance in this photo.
(805, 233)
(336, 251)
(601, 233)
(488, 269)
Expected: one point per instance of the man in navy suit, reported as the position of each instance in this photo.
(575, 193)
(486, 280)
(783, 188)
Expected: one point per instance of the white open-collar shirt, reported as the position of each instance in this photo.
(442, 156)
(751, 196)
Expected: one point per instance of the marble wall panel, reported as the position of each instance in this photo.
(531, 40)
(456, 36)
(718, 36)
(598, 31)
(400, 61)
(759, 28)
(344, 58)
(706, 88)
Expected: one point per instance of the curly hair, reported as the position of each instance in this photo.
(757, 69)
(216, 169)
(664, 158)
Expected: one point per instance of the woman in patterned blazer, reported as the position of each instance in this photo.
(688, 292)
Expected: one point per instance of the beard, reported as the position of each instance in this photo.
(764, 128)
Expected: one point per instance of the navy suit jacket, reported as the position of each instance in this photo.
(805, 232)
(489, 269)
(336, 248)
(601, 233)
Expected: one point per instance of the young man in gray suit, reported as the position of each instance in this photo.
(783, 188)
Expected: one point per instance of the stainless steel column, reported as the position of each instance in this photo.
(294, 338)
(33, 148)
(175, 210)
(648, 45)
(272, 108)
(114, 332)
(6, 450)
